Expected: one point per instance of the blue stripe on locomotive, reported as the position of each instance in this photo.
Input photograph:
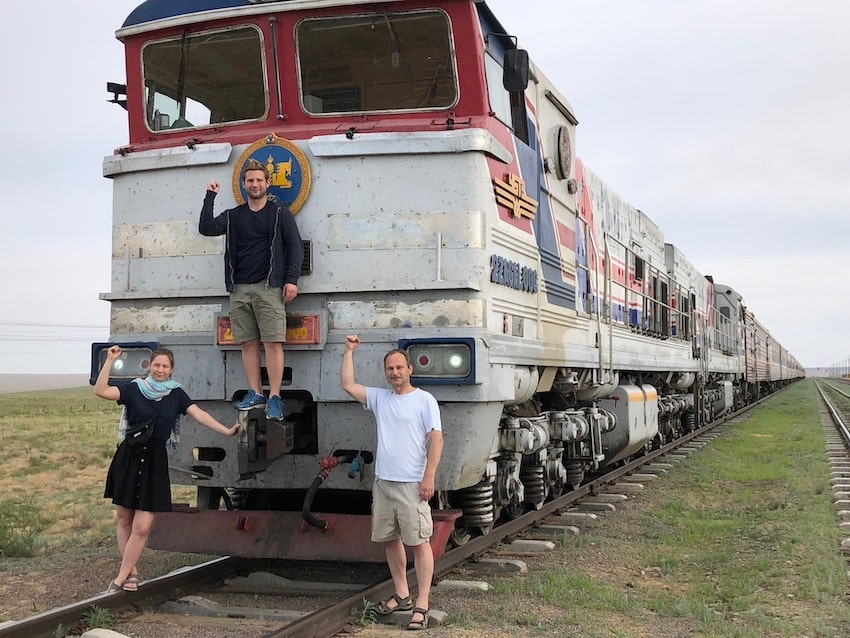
(582, 281)
(530, 160)
(558, 292)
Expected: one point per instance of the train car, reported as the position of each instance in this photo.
(430, 168)
(766, 361)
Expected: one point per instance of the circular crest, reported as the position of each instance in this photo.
(287, 165)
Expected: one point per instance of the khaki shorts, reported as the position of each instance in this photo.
(398, 512)
(257, 312)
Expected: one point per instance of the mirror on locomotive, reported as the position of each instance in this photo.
(515, 65)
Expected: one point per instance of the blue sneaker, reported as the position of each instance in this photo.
(250, 400)
(274, 408)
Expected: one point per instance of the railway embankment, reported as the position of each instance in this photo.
(740, 538)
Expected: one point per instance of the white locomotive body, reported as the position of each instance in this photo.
(430, 168)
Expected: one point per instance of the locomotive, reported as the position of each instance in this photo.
(431, 169)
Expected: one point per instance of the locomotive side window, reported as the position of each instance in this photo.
(386, 62)
(206, 78)
(638, 267)
(508, 106)
(500, 100)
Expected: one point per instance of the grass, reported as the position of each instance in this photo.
(364, 616)
(55, 448)
(57, 532)
(739, 540)
(99, 618)
(20, 529)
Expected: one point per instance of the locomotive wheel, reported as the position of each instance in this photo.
(460, 536)
(514, 510)
(555, 489)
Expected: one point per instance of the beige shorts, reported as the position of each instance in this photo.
(398, 512)
(257, 312)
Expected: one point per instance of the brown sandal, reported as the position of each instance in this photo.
(418, 624)
(132, 583)
(402, 604)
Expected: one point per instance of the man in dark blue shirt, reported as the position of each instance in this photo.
(262, 261)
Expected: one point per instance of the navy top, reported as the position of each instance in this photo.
(251, 257)
(168, 409)
(286, 252)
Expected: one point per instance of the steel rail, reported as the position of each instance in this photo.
(840, 425)
(329, 621)
(154, 590)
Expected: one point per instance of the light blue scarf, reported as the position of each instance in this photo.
(155, 390)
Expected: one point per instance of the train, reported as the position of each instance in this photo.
(431, 167)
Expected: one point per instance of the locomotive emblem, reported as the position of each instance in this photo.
(287, 165)
(511, 194)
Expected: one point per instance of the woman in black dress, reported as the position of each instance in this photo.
(138, 481)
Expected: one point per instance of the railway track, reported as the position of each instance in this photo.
(332, 609)
(836, 399)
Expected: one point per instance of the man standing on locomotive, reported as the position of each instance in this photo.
(262, 262)
(410, 443)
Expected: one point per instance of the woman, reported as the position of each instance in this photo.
(138, 481)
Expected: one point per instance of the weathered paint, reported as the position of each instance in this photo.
(266, 534)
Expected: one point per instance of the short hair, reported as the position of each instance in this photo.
(163, 352)
(254, 165)
(403, 353)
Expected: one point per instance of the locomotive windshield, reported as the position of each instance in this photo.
(386, 62)
(204, 78)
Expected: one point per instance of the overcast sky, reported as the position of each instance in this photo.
(725, 121)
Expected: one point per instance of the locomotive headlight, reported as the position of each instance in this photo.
(441, 361)
(423, 362)
(456, 361)
(134, 361)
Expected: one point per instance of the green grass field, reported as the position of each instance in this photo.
(740, 540)
(55, 448)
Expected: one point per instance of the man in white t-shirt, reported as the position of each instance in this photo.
(410, 442)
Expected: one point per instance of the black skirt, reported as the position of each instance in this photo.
(138, 478)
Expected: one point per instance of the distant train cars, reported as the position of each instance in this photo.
(431, 169)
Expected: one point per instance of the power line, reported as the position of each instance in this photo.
(17, 338)
(39, 352)
(38, 324)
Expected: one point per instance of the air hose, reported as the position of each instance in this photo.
(308, 503)
(327, 463)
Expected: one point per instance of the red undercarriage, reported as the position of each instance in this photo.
(272, 534)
